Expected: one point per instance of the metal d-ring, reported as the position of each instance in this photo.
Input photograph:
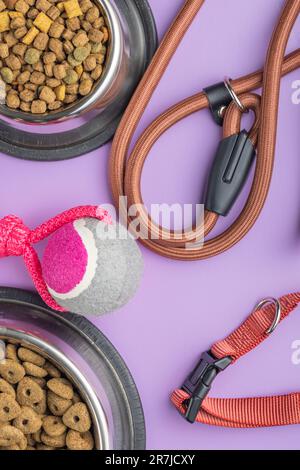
(277, 318)
(235, 98)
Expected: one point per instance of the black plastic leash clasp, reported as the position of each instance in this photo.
(199, 382)
(229, 173)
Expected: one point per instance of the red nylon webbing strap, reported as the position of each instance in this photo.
(247, 412)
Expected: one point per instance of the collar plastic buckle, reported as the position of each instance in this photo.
(199, 382)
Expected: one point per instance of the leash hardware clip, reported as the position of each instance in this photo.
(220, 96)
(234, 96)
(199, 382)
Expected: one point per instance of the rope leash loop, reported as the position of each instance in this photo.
(126, 167)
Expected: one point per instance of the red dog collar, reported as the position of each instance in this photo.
(192, 401)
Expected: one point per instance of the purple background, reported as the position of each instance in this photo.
(182, 308)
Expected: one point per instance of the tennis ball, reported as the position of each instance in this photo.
(91, 267)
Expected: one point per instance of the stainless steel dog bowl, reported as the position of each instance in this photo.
(92, 120)
(87, 358)
(100, 427)
(107, 89)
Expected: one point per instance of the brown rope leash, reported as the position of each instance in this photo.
(126, 170)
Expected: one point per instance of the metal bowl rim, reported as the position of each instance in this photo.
(100, 343)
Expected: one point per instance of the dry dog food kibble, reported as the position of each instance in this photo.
(40, 409)
(53, 426)
(52, 370)
(78, 418)
(12, 436)
(42, 40)
(35, 371)
(29, 392)
(5, 387)
(57, 405)
(11, 371)
(9, 407)
(62, 387)
(28, 421)
(11, 352)
(79, 441)
(30, 356)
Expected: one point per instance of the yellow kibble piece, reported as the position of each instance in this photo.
(15, 14)
(72, 8)
(30, 36)
(4, 21)
(79, 70)
(60, 6)
(43, 22)
(60, 92)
